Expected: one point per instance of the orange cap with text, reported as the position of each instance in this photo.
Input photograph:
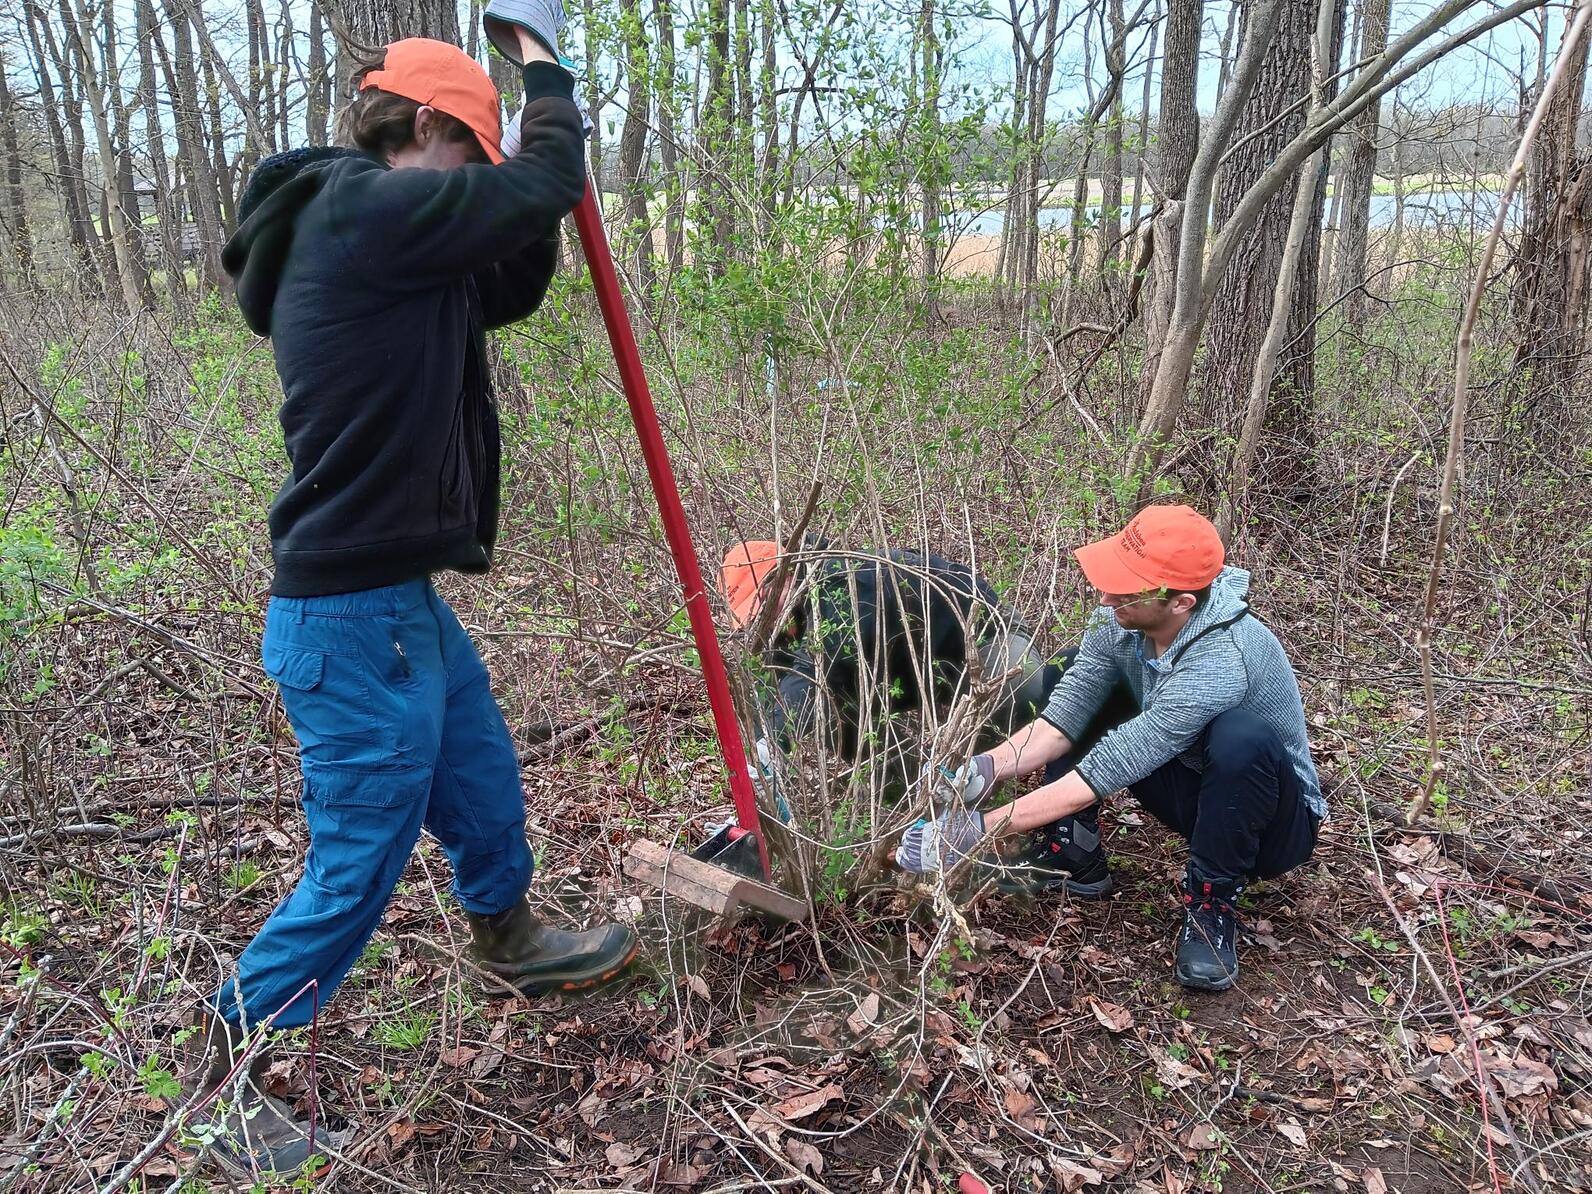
(746, 566)
(1164, 547)
(442, 76)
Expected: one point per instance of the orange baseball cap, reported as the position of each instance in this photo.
(1164, 547)
(442, 76)
(746, 567)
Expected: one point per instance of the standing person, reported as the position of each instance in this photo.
(376, 273)
(872, 635)
(1215, 748)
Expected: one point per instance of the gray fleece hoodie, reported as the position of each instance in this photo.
(1224, 658)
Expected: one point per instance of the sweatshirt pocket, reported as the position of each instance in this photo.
(454, 492)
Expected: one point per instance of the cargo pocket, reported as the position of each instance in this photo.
(326, 701)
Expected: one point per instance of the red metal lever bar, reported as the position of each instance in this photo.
(594, 242)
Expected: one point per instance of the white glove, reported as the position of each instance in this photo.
(966, 787)
(511, 129)
(938, 845)
(765, 778)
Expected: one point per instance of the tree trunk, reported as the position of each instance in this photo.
(68, 166)
(79, 38)
(768, 101)
(1178, 139)
(1111, 179)
(204, 191)
(318, 83)
(931, 62)
(1169, 360)
(594, 100)
(1551, 265)
(258, 97)
(1142, 149)
(1330, 231)
(668, 144)
(282, 133)
(633, 144)
(16, 205)
(368, 25)
(1358, 176)
(1239, 316)
(169, 228)
(1042, 71)
(713, 140)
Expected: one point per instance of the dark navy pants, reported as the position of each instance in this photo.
(397, 730)
(1243, 813)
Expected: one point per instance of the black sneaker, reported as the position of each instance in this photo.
(1066, 855)
(1207, 945)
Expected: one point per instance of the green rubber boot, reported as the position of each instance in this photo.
(535, 959)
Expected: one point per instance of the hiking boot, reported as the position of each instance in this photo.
(252, 1133)
(534, 958)
(1207, 945)
(1067, 854)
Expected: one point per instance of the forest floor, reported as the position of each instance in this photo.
(1051, 1051)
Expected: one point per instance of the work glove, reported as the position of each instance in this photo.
(940, 844)
(542, 19)
(966, 787)
(765, 778)
(511, 130)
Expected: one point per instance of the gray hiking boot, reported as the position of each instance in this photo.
(252, 1133)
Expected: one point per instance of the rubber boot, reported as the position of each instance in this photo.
(1067, 854)
(250, 1132)
(534, 958)
(1207, 944)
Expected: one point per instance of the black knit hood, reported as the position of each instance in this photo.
(278, 190)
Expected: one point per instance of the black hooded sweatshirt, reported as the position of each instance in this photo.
(376, 287)
(902, 619)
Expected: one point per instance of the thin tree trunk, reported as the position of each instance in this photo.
(595, 152)
(633, 143)
(768, 99)
(215, 130)
(282, 134)
(73, 194)
(121, 140)
(170, 222)
(713, 141)
(1358, 176)
(79, 39)
(931, 63)
(1330, 230)
(1142, 149)
(204, 192)
(668, 144)
(318, 84)
(16, 204)
(1038, 105)
(258, 97)
(1178, 139)
(1111, 179)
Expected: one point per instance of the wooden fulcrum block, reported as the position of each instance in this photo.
(707, 886)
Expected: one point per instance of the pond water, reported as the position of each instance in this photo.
(1429, 209)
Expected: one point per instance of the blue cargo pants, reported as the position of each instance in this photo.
(397, 730)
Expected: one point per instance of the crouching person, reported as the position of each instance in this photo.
(868, 637)
(1177, 693)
